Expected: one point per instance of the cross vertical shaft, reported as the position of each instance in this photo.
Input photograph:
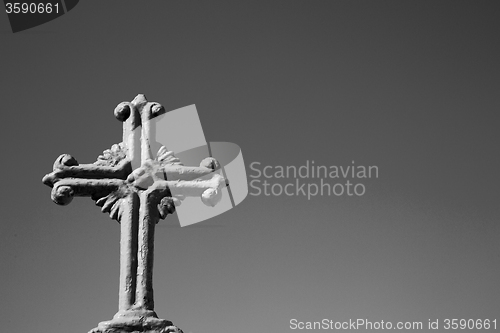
(128, 254)
(129, 218)
(148, 215)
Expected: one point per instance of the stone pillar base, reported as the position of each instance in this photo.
(136, 324)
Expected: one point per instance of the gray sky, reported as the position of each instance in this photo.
(411, 87)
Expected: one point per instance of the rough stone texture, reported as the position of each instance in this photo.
(137, 190)
(138, 329)
(144, 324)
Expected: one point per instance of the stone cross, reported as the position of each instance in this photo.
(136, 189)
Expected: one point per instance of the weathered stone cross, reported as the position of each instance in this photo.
(136, 190)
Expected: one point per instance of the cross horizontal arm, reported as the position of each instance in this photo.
(170, 173)
(178, 172)
(65, 189)
(209, 190)
(66, 166)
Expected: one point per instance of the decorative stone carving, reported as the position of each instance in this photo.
(136, 190)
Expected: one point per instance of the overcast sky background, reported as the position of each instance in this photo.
(411, 87)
